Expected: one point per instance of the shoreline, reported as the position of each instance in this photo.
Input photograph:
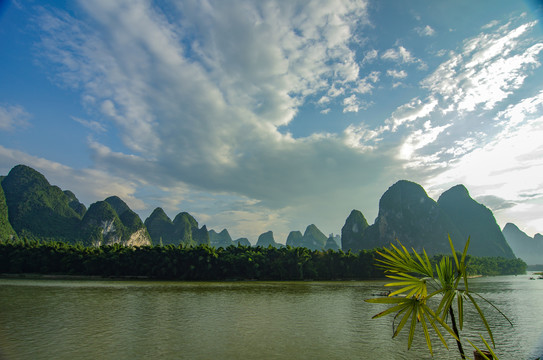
(36, 276)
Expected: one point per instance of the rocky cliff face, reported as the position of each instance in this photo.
(528, 249)
(407, 213)
(135, 231)
(352, 231)
(102, 225)
(139, 238)
(475, 221)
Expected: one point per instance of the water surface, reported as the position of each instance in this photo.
(105, 319)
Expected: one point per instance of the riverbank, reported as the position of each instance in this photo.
(205, 263)
(34, 276)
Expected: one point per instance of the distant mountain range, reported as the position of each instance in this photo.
(32, 208)
(527, 248)
(408, 214)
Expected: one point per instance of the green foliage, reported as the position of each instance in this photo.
(182, 262)
(117, 204)
(418, 283)
(183, 225)
(74, 203)
(131, 221)
(101, 225)
(37, 208)
(160, 227)
(6, 231)
(129, 218)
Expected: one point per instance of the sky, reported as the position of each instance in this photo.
(274, 115)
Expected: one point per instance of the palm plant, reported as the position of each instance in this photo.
(418, 283)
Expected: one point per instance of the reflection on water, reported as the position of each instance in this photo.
(68, 319)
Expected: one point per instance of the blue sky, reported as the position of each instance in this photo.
(273, 115)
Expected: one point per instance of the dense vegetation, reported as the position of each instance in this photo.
(204, 262)
(37, 209)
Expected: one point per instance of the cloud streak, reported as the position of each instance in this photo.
(13, 117)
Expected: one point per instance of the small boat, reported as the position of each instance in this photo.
(532, 278)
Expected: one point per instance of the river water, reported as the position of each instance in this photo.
(107, 319)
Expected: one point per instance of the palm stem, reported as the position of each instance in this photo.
(455, 329)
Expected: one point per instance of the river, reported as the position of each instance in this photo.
(108, 319)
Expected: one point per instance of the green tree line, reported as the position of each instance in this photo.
(204, 262)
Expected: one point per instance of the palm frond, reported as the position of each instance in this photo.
(412, 274)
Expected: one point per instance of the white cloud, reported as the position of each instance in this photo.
(251, 65)
(419, 139)
(370, 56)
(361, 138)
(518, 113)
(365, 85)
(373, 76)
(401, 55)
(425, 31)
(323, 100)
(335, 92)
(397, 74)
(490, 24)
(197, 95)
(12, 117)
(350, 104)
(412, 111)
(507, 166)
(489, 69)
(92, 125)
